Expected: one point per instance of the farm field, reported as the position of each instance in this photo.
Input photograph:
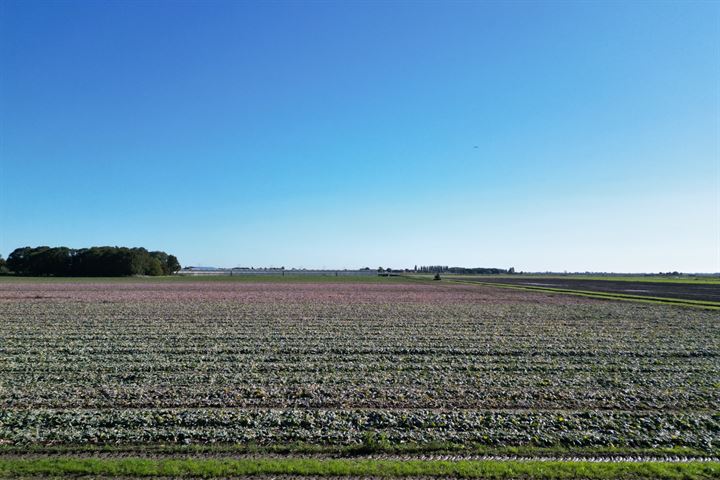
(701, 291)
(361, 378)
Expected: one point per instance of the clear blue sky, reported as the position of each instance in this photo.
(335, 134)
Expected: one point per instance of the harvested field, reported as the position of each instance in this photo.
(707, 292)
(392, 290)
(352, 367)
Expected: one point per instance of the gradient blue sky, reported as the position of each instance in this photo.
(335, 134)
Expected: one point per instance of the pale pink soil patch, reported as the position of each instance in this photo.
(260, 292)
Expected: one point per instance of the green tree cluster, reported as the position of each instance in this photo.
(93, 261)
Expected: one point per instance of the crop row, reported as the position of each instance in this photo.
(520, 329)
(447, 355)
(332, 364)
(567, 389)
(267, 427)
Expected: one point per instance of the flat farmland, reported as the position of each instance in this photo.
(388, 368)
(701, 291)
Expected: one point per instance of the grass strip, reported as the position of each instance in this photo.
(602, 295)
(206, 468)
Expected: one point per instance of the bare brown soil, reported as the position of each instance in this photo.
(686, 291)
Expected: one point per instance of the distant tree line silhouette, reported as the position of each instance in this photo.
(465, 270)
(91, 262)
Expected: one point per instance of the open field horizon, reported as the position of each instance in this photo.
(396, 367)
(421, 239)
(689, 291)
(330, 277)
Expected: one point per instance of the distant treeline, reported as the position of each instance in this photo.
(465, 270)
(91, 262)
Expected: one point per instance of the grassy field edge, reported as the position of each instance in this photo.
(206, 468)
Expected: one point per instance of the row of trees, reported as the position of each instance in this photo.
(94, 261)
(464, 270)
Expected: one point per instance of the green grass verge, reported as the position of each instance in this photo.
(136, 467)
